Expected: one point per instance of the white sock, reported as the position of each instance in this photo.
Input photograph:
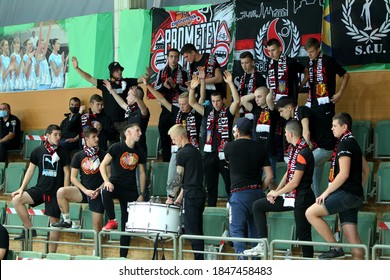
(66, 217)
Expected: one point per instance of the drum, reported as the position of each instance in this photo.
(151, 217)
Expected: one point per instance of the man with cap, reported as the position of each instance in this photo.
(246, 172)
(118, 83)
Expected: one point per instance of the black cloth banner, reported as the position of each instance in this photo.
(290, 21)
(360, 31)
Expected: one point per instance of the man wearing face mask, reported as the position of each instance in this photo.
(9, 132)
(70, 137)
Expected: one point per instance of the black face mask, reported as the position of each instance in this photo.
(74, 110)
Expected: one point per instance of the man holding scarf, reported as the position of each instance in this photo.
(322, 81)
(219, 122)
(53, 164)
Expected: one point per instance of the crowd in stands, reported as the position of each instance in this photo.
(99, 154)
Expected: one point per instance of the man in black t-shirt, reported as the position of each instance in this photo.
(344, 194)
(293, 193)
(123, 158)
(315, 132)
(219, 122)
(210, 65)
(170, 83)
(188, 186)
(4, 242)
(322, 81)
(53, 164)
(247, 160)
(119, 84)
(87, 189)
(9, 131)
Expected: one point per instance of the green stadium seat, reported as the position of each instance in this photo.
(281, 225)
(316, 237)
(384, 235)
(86, 257)
(57, 256)
(383, 183)
(159, 174)
(281, 168)
(29, 255)
(382, 139)
(361, 129)
(215, 223)
(152, 141)
(13, 179)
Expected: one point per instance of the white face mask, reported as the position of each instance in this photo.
(3, 114)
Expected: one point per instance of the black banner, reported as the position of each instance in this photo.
(360, 31)
(289, 21)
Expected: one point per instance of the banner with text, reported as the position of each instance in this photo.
(360, 31)
(209, 29)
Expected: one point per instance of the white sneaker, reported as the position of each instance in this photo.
(256, 251)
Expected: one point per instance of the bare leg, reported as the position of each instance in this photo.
(314, 215)
(352, 236)
(54, 236)
(19, 205)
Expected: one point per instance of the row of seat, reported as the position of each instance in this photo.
(281, 226)
(30, 255)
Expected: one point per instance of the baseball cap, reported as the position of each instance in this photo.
(114, 66)
(244, 125)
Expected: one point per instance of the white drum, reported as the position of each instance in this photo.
(153, 217)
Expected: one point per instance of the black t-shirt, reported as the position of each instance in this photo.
(4, 240)
(124, 163)
(11, 125)
(350, 148)
(111, 107)
(294, 68)
(67, 131)
(202, 62)
(332, 68)
(264, 119)
(90, 177)
(304, 195)
(51, 174)
(190, 158)
(246, 159)
(230, 117)
(137, 117)
(319, 128)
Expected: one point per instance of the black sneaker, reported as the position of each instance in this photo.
(332, 254)
(62, 224)
(23, 235)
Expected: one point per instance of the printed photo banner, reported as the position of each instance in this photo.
(33, 57)
(360, 31)
(292, 22)
(209, 29)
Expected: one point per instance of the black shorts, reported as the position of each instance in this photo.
(95, 205)
(39, 195)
